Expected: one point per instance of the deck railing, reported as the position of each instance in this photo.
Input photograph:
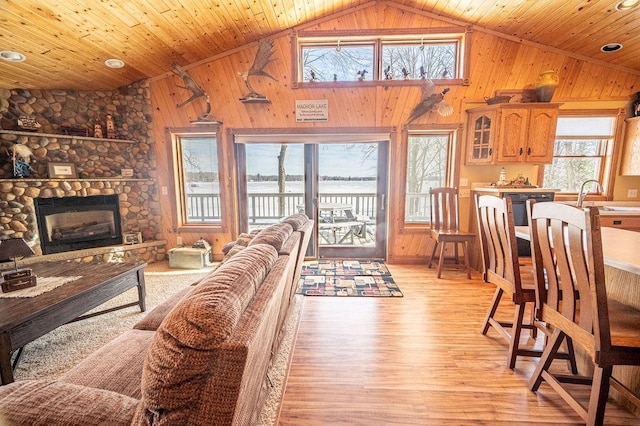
(264, 208)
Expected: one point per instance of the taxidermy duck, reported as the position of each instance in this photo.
(262, 59)
(431, 101)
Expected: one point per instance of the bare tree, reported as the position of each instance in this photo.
(282, 177)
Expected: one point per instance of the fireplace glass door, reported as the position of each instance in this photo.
(74, 223)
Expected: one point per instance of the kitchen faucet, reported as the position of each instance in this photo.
(582, 195)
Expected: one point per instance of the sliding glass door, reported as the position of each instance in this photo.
(351, 185)
(342, 186)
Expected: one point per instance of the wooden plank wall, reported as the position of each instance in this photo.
(496, 63)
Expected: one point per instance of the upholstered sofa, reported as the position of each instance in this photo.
(199, 359)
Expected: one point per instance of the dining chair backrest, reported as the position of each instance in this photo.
(444, 209)
(498, 242)
(567, 253)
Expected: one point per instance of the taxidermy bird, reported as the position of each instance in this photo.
(262, 59)
(190, 85)
(21, 157)
(431, 101)
(196, 92)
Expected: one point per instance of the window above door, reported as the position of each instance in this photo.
(389, 57)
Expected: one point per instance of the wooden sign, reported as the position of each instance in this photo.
(312, 111)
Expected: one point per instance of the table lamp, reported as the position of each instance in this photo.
(16, 279)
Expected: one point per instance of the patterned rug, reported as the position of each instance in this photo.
(347, 278)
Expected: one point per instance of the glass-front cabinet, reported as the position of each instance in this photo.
(480, 149)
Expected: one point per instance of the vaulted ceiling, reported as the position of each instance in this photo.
(67, 43)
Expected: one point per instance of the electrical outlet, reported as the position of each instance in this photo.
(632, 193)
(179, 240)
(165, 190)
(464, 193)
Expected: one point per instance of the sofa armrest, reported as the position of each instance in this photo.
(50, 403)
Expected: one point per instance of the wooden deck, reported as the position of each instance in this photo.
(418, 360)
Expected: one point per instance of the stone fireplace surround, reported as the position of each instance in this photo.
(18, 218)
(99, 162)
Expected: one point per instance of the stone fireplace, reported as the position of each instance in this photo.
(74, 223)
(123, 169)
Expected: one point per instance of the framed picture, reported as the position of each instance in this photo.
(132, 238)
(62, 171)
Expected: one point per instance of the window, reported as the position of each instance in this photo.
(334, 62)
(416, 60)
(399, 55)
(198, 198)
(583, 151)
(428, 159)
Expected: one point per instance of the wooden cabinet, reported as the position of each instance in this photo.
(631, 148)
(512, 133)
(631, 223)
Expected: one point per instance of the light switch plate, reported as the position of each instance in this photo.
(464, 182)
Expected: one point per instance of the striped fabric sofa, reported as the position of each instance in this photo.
(201, 359)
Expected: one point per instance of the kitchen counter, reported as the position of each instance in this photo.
(615, 208)
(503, 189)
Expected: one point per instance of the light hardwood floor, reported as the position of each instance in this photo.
(417, 360)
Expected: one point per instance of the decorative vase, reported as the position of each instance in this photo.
(546, 84)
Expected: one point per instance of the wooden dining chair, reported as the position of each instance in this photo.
(502, 268)
(567, 251)
(445, 227)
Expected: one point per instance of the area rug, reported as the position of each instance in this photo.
(362, 278)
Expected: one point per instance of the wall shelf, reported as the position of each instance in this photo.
(61, 136)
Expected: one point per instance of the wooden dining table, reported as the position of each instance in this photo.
(621, 252)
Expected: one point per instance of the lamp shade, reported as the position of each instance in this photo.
(13, 248)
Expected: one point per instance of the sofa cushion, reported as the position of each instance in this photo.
(237, 248)
(274, 235)
(116, 366)
(297, 221)
(207, 316)
(182, 351)
(152, 320)
(243, 240)
(52, 403)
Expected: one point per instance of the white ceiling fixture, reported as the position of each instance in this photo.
(11, 56)
(114, 63)
(611, 47)
(625, 5)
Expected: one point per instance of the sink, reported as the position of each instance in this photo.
(619, 209)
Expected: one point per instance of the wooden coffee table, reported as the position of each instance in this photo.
(23, 320)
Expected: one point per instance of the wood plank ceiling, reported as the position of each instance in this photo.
(66, 43)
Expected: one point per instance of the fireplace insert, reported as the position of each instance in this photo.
(75, 223)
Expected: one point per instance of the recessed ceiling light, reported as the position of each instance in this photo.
(611, 47)
(11, 56)
(625, 5)
(114, 63)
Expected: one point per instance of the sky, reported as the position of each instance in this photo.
(334, 160)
